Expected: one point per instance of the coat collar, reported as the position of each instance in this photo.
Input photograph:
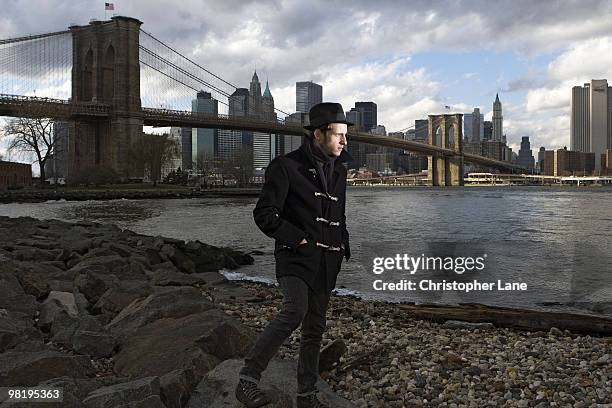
(305, 148)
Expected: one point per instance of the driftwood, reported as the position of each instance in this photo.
(361, 359)
(531, 320)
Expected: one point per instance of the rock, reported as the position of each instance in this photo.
(217, 388)
(211, 278)
(16, 328)
(603, 360)
(35, 284)
(140, 393)
(555, 332)
(457, 324)
(172, 302)
(197, 341)
(35, 254)
(93, 282)
(92, 343)
(164, 277)
(115, 299)
(27, 368)
(51, 308)
(331, 354)
(111, 264)
(178, 258)
(177, 386)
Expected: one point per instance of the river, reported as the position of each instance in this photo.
(556, 241)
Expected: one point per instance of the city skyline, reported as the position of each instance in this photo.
(457, 54)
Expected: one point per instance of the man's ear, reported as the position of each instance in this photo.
(317, 134)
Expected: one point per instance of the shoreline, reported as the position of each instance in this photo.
(106, 313)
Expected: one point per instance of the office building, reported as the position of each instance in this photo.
(563, 162)
(541, 154)
(421, 130)
(498, 120)
(204, 142)
(369, 112)
(473, 126)
(525, 156)
(307, 94)
(591, 118)
(488, 130)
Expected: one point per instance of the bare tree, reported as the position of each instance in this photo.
(31, 137)
(155, 152)
(240, 165)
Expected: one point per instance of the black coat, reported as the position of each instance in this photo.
(294, 204)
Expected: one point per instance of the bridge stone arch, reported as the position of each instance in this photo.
(106, 70)
(446, 131)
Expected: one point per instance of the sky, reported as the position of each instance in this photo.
(411, 58)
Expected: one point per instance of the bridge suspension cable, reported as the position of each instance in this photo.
(165, 64)
(37, 65)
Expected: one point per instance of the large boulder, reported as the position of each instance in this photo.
(140, 393)
(217, 388)
(170, 302)
(115, 299)
(16, 328)
(27, 368)
(55, 305)
(197, 341)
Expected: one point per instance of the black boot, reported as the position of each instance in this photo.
(310, 401)
(250, 395)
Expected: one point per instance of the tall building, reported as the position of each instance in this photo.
(262, 107)
(541, 154)
(57, 164)
(488, 130)
(356, 150)
(473, 126)
(525, 156)
(307, 94)
(591, 118)
(498, 120)
(186, 163)
(421, 130)
(231, 140)
(369, 114)
(204, 142)
(177, 161)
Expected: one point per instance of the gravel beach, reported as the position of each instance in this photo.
(402, 362)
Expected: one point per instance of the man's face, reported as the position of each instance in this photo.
(333, 140)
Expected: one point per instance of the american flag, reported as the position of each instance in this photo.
(109, 6)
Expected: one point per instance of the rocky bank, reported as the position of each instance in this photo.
(119, 319)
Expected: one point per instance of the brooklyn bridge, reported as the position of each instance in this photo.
(122, 78)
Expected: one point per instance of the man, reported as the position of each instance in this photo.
(302, 206)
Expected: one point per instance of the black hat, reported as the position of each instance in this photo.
(325, 113)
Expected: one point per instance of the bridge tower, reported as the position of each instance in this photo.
(106, 70)
(446, 131)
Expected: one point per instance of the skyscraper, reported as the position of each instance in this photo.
(204, 142)
(231, 140)
(498, 120)
(307, 94)
(369, 113)
(264, 144)
(525, 156)
(473, 126)
(591, 119)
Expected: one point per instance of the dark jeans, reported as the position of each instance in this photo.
(300, 305)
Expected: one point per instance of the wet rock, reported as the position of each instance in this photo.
(165, 277)
(93, 282)
(115, 299)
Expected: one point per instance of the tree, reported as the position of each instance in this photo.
(240, 165)
(155, 152)
(31, 137)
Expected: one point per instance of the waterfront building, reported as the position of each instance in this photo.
(591, 118)
(563, 162)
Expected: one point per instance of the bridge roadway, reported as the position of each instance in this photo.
(34, 107)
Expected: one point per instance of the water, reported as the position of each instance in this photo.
(555, 240)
